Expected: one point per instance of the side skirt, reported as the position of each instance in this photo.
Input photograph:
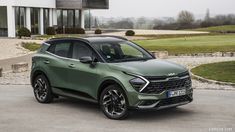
(73, 94)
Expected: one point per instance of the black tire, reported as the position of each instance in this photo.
(42, 89)
(117, 102)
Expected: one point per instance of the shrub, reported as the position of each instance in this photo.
(130, 33)
(24, 32)
(59, 30)
(80, 31)
(50, 31)
(98, 31)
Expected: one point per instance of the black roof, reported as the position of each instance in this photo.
(92, 39)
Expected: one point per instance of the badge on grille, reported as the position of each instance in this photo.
(171, 74)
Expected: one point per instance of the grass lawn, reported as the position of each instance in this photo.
(226, 28)
(189, 45)
(223, 71)
(31, 46)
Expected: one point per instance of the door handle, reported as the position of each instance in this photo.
(47, 62)
(71, 65)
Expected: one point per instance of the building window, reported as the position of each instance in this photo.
(46, 18)
(71, 17)
(68, 18)
(20, 17)
(65, 18)
(35, 20)
(59, 18)
(3, 21)
(77, 18)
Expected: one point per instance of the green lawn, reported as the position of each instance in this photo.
(223, 71)
(189, 45)
(226, 28)
(31, 46)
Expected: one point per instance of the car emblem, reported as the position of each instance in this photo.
(171, 74)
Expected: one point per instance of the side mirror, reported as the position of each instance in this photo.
(86, 60)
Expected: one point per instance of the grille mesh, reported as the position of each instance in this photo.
(158, 87)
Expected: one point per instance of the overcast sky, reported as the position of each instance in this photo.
(165, 8)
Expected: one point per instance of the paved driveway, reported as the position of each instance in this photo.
(210, 111)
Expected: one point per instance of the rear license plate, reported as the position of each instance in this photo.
(176, 93)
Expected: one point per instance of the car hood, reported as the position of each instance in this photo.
(153, 67)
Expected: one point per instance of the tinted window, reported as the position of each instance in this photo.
(60, 49)
(80, 50)
(121, 51)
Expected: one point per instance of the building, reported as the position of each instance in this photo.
(37, 15)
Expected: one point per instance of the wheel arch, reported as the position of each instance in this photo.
(37, 73)
(107, 83)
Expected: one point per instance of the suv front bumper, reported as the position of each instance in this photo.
(161, 101)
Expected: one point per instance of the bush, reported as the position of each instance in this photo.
(130, 33)
(98, 31)
(80, 31)
(24, 32)
(50, 31)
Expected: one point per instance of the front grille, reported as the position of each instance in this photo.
(174, 100)
(172, 84)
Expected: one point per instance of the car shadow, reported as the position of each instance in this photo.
(135, 115)
(164, 114)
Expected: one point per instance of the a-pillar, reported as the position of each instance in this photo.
(11, 21)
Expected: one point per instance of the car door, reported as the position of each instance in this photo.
(56, 63)
(82, 77)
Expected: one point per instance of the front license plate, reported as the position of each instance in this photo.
(176, 93)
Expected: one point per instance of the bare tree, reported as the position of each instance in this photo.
(207, 17)
(185, 18)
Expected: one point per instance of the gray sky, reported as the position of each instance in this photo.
(165, 8)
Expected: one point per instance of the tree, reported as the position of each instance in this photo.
(185, 18)
(207, 17)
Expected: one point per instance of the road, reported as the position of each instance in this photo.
(19, 111)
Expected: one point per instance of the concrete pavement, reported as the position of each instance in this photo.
(19, 111)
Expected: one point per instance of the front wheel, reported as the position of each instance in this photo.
(113, 102)
(42, 89)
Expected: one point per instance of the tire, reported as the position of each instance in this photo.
(113, 102)
(42, 89)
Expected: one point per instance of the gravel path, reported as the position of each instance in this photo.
(10, 48)
(24, 78)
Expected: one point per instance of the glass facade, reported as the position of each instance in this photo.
(20, 17)
(68, 18)
(35, 14)
(46, 17)
(3, 21)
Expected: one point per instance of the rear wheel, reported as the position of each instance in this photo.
(42, 89)
(113, 102)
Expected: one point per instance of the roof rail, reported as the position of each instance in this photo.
(68, 38)
(113, 36)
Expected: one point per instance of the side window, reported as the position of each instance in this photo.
(80, 49)
(60, 49)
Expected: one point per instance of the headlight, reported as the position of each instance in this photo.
(138, 83)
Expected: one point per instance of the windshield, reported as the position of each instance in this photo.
(123, 51)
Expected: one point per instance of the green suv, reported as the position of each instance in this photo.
(111, 71)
